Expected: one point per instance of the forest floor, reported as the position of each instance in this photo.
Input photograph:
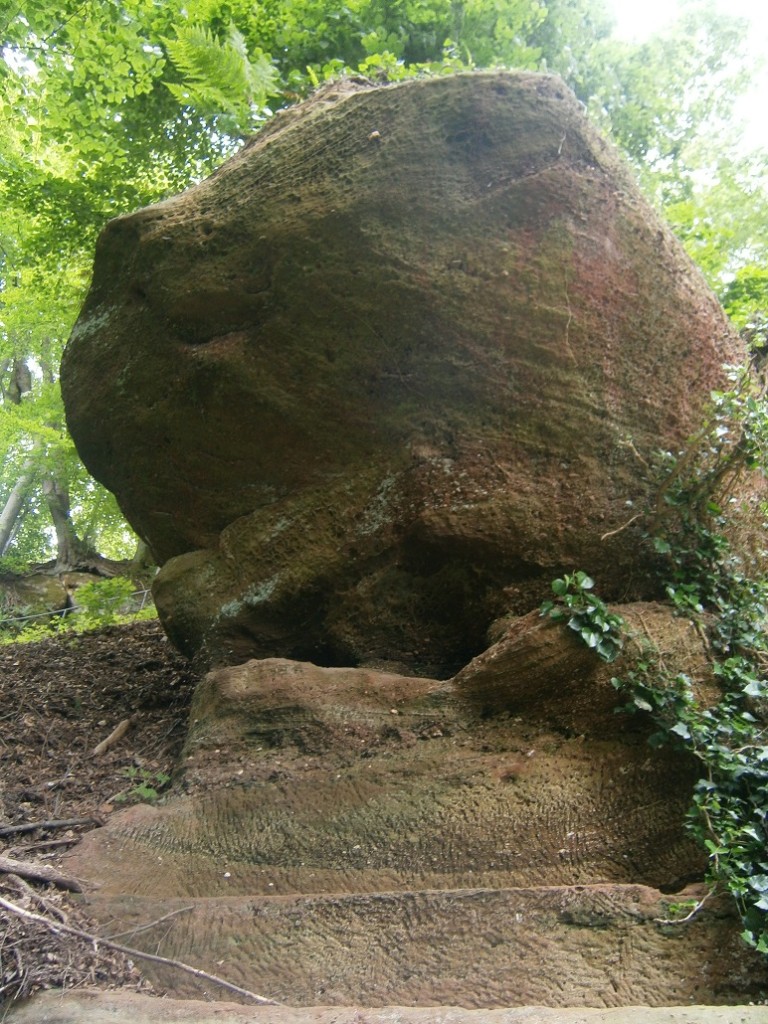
(60, 699)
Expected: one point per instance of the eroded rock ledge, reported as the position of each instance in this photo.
(346, 835)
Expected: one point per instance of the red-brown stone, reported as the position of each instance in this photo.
(389, 370)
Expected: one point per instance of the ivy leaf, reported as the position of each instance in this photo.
(755, 688)
(681, 729)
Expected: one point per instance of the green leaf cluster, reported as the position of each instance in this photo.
(146, 785)
(219, 77)
(725, 592)
(586, 614)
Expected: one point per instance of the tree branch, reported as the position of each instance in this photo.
(32, 826)
(58, 927)
(40, 872)
(117, 734)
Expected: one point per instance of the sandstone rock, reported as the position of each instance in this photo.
(345, 836)
(542, 670)
(89, 1007)
(385, 374)
(37, 594)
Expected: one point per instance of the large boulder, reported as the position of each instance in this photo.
(389, 370)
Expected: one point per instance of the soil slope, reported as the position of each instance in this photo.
(59, 699)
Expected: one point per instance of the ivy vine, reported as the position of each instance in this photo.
(722, 587)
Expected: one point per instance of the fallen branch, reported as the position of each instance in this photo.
(40, 873)
(151, 924)
(25, 889)
(57, 928)
(117, 734)
(49, 844)
(49, 826)
(612, 533)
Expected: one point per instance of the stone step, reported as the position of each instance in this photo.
(354, 837)
(86, 1007)
(301, 779)
(566, 946)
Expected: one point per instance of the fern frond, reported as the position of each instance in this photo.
(218, 77)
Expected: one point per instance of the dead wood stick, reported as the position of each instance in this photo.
(15, 851)
(26, 890)
(152, 924)
(39, 872)
(57, 927)
(612, 533)
(30, 826)
(117, 734)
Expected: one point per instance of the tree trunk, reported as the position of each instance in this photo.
(71, 552)
(12, 391)
(15, 503)
(142, 556)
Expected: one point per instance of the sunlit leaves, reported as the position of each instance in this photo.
(219, 76)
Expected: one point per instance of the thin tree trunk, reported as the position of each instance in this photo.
(142, 556)
(14, 503)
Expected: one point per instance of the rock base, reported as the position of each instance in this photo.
(125, 1008)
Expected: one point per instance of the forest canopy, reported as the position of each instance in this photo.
(109, 106)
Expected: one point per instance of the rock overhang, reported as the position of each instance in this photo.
(383, 368)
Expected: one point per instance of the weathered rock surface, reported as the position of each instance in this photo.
(374, 382)
(37, 594)
(541, 672)
(125, 1008)
(351, 836)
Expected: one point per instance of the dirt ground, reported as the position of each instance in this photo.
(59, 699)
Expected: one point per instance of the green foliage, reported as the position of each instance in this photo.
(586, 614)
(745, 300)
(146, 786)
(103, 602)
(726, 592)
(219, 77)
(634, 90)
(34, 632)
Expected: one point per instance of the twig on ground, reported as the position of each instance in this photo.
(40, 873)
(26, 890)
(14, 851)
(146, 927)
(49, 826)
(117, 734)
(95, 941)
